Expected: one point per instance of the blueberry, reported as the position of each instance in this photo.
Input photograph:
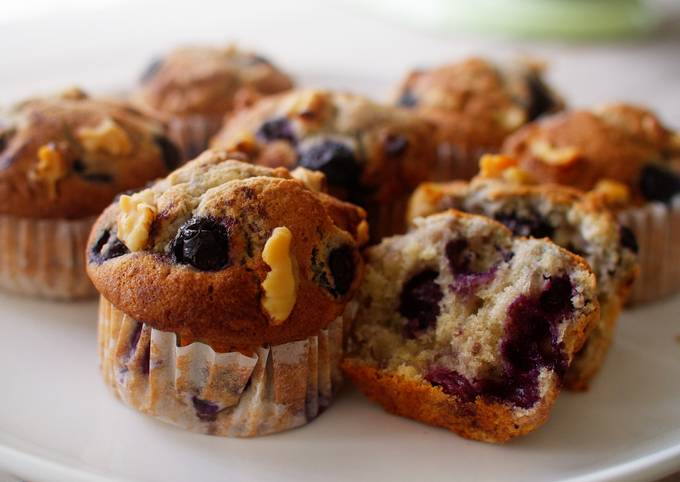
(258, 60)
(151, 70)
(628, 239)
(169, 152)
(107, 247)
(80, 168)
(203, 243)
(658, 183)
(533, 225)
(419, 302)
(205, 410)
(458, 255)
(452, 383)
(278, 129)
(408, 99)
(395, 145)
(342, 267)
(541, 100)
(335, 160)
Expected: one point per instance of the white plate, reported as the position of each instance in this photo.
(58, 421)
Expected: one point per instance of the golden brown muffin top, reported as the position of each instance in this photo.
(207, 81)
(475, 103)
(67, 156)
(588, 149)
(366, 150)
(229, 253)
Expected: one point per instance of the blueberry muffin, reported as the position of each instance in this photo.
(475, 105)
(372, 155)
(62, 160)
(626, 156)
(583, 227)
(192, 88)
(463, 326)
(224, 292)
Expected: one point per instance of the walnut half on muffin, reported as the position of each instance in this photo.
(464, 326)
(62, 160)
(225, 288)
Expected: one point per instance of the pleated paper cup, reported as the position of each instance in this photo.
(192, 134)
(388, 218)
(44, 257)
(455, 162)
(236, 394)
(657, 229)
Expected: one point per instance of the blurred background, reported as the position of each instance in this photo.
(597, 50)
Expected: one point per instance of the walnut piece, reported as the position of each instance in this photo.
(553, 155)
(280, 286)
(314, 180)
(137, 213)
(52, 167)
(108, 137)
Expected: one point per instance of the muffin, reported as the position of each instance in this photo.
(225, 289)
(372, 155)
(62, 160)
(475, 105)
(192, 89)
(463, 326)
(573, 222)
(624, 155)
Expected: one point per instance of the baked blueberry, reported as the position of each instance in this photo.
(658, 183)
(534, 225)
(203, 243)
(80, 168)
(151, 70)
(395, 145)
(419, 302)
(628, 239)
(452, 382)
(170, 152)
(541, 100)
(107, 247)
(408, 99)
(342, 268)
(278, 129)
(335, 159)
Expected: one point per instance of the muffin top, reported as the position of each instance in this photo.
(229, 253)
(614, 147)
(476, 104)
(366, 150)
(207, 81)
(67, 156)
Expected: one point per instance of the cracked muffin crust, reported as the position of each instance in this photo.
(371, 155)
(62, 160)
(569, 219)
(193, 87)
(225, 290)
(464, 326)
(475, 105)
(202, 232)
(625, 156)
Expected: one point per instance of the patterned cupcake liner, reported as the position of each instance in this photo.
(45, 257)
(230, 394)
(657, 229)
(192, 134)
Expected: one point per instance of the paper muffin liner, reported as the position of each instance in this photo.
(387, 219)
(192, 134)
(454, 162)
(657, 229)
(235, 394)
(45, 257)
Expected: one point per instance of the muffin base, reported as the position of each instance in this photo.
(45, 257)
(235, 394)
(657, 229)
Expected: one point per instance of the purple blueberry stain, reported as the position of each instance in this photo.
(460, 258)
(419, 303)
(205, 410)
(277, 129)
